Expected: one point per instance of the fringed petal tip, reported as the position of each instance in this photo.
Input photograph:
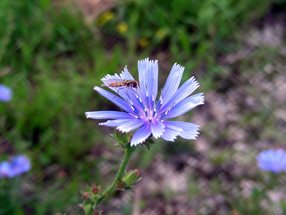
(147, 61)
(136, 143)
(144, 60)
(109, 77)
(170, 139)
(153, 61)
(88, 115)
(96, 88)
(202, 99)
(92, 115)
(196, 135)
(122, 130)
(125, 74)
(140, 135)
(178, 66)
(194, 83)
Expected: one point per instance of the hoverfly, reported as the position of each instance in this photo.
(119, 83)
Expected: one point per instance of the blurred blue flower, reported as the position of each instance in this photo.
(272, 160)
(142, 111)
(5, 93)
(17, 165)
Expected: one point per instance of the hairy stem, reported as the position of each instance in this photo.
(111, 188)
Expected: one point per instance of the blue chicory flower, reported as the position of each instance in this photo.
(142, 111)
(272, 160)
(17, 165)
(5, 93)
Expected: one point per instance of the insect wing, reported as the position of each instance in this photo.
(114, 82)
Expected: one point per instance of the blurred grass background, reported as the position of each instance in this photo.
(53, 52)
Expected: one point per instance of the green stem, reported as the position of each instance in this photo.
(111, 188)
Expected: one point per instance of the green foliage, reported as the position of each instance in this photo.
(131, 178)
(250, 205)
(53, 60)
(191, 28)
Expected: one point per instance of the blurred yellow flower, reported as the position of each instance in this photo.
(161, 33)
(105, 17)
(143, 42)
(122, 27)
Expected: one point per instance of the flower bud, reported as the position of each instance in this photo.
(131, 177)
(85, 196)
(122, 139)
(95, 189)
